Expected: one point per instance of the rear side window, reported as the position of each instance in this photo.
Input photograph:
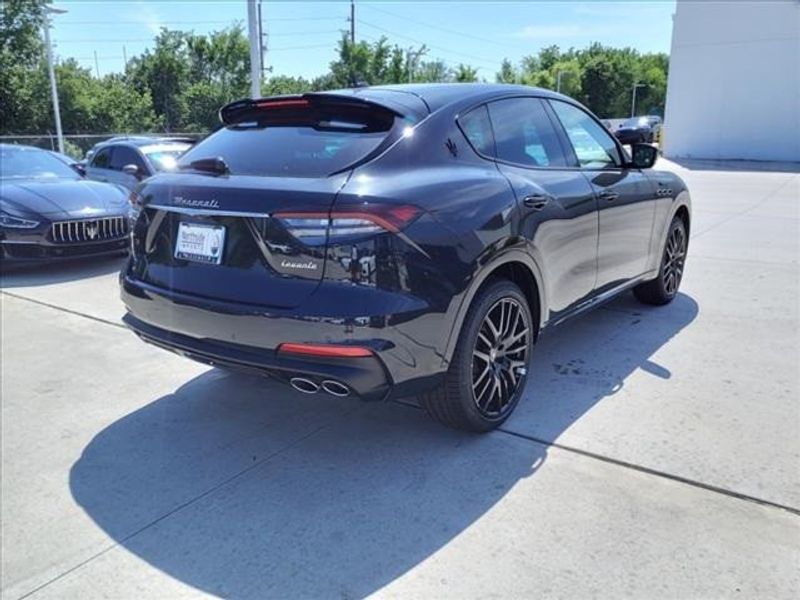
(102, 158)
(478, 130)
(314, 141)
(524, 134)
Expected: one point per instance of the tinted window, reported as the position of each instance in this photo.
(314, 141)
(102, 158)
(126, 156)
(524, 134)
(478, 130)
(593, 145)
(29, 163)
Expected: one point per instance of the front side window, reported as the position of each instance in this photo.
(524, 134)
(594, 147)
(126, 156)
(102, 158)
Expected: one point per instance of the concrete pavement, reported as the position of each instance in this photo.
(656, 453)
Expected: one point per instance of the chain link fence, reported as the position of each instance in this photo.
(76, 145)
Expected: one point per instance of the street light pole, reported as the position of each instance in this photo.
(254, 33)
(49, 10)
(633, 97)
(558, 81)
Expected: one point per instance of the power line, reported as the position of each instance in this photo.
(447, 63)
(439, 48)
(301, 47)
(184, 22)
(439, 28)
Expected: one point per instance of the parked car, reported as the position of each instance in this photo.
(78, 166)
(129, 160)
(399, 240)
(48, 211)
(636, 130)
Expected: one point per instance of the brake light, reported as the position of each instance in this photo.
(349, 221)
(283, 104)
(325, 350)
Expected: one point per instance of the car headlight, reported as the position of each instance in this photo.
(10, 221)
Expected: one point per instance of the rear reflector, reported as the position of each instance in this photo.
(326, 350)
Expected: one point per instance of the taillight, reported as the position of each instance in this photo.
(325, 350)
(348, 222)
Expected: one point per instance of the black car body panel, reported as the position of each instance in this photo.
(63, 215)
(570, 234)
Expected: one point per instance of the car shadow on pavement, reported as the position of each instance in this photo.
(35, 275)
(242, 488)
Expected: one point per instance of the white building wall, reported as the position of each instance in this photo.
(734, 81)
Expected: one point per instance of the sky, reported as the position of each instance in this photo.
(302, 36)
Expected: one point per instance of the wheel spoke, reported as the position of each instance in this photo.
(482, 356)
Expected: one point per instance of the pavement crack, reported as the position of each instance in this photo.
(640, 468)
(63, 309)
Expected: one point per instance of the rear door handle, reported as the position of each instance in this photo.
(536, 201)
(608, 195)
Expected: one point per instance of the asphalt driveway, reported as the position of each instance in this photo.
(656, 453)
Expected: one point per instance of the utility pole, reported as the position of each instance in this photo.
(125, 57)
(636, 86)
(49, 10)
(263, 41)
(413, 57)
(558, 81)
(96, 65)
(352, 22)
(255, 49)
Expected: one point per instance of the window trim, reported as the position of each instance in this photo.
(566, 145)
(622, 165)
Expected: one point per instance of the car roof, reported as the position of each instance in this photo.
(139, 141)
(22, 148)
(435, 96)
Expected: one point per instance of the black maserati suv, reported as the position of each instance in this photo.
(399, 240)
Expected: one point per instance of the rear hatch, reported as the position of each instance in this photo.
(225, 226)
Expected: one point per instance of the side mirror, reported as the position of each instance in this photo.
(644, 156)
(79, 168)
(132, 170)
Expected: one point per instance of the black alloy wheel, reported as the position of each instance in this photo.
(499, 357)
(489, 368)
(674, 260)
(664, 288)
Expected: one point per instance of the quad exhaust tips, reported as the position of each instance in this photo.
(306, 386)
(334, 388)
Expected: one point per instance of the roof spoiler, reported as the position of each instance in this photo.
(236, 111)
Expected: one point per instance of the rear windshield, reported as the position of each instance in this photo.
(313, 142)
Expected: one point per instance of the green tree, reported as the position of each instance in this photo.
(21, 51)
(507, 73)
(465, 73)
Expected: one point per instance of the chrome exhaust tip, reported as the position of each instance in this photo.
(306, 386)
(335, 388)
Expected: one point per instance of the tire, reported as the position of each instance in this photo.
(663, 289)
(462, 402)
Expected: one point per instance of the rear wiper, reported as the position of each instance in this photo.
(216, 165)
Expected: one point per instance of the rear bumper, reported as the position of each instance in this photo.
(247, 338)
(365, 377)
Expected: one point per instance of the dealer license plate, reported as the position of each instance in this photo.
(200, 243)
